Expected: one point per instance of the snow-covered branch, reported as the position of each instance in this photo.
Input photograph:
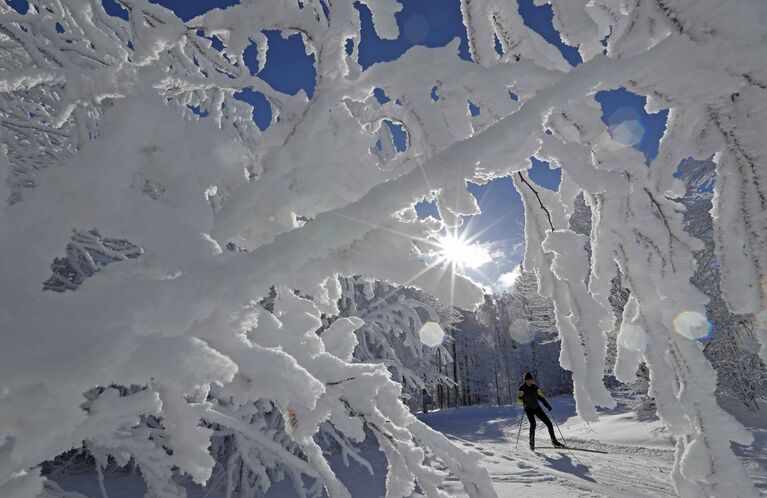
(132, 129)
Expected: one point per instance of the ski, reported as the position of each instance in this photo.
(569, 448)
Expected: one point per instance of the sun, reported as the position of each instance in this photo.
(457, 251)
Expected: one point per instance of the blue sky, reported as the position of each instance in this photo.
(434, 23)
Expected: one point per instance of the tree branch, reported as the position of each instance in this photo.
(548, 215)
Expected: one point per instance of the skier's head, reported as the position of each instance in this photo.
(528, 378)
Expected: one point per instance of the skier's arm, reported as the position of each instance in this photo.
(543, 400)
(520, 397)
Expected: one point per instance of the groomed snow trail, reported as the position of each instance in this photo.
(639, 462)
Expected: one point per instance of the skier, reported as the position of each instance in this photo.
(528, 395)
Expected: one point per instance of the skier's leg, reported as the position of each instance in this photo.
(531, 417)
(545, 419)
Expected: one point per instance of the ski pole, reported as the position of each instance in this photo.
(563, 440)
(519, 431)
(560, 430)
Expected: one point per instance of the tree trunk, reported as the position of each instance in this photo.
(497, 387)
(439, 386)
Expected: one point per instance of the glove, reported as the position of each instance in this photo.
(549, 407)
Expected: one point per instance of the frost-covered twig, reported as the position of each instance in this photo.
(540, 202)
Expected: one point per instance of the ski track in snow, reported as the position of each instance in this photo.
(626, 471)
(630, 469)
(638, 464)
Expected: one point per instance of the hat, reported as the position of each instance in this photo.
(528, 375)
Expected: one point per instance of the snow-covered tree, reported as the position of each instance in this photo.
(494, 325)
(399, 332)
(533, 328)
(580, 222)
(100, 116)
(637, 220)
(520, 329)
(732, 347)
(103, 118)
(478, 362)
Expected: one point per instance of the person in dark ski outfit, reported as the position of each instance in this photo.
(528, 395)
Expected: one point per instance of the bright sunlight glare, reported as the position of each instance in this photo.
(457, 251)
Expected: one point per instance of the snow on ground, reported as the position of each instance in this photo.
(754, 457)
(639, 460)
(638, 463)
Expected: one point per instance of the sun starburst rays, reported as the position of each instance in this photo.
(461, 252)
(451, 252)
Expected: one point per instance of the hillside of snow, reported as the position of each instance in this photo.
(638, 463)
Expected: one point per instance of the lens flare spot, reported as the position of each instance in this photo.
(628, 132)
(431, 334)
(522, 331)
(632, 338)
(416, 29)
(625, 126)
(693, 325)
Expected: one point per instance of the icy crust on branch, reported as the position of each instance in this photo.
(741, 230)
(732, 348)
(638, 225)
(577, 27)
(560, 263)
(179, 320)
(310, 198)
(490, 20)
(280, 357)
